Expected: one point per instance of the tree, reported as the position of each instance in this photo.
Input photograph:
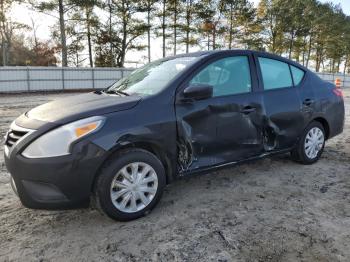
(84, 13)
(75, 42)
(149, 7)
(74, 50)
(271, 15)
(306, 37)
(43, 54)
(211, 15)
(188, 26)
(321, 34)
(229, 12)
(161, 30)
(346, 40)
(293, 24)
(59, 10)
(174, 10)
(242, 26)
(122, 33)
(335, 47)
(8, 29)
(313, 33)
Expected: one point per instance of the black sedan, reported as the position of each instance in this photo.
(172, 118)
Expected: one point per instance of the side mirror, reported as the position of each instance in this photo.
(198, 92)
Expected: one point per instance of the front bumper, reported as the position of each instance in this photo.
(56, 182)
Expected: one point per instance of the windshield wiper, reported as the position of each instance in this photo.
(117, 92)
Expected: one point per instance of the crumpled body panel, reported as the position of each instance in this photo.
(218, 130)
(215, 131)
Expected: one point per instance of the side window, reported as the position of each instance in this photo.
(228, 76)
(298, 75)
(275, 74)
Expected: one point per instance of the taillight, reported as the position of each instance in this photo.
(338, 92)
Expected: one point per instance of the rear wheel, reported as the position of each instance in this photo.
(130, 184)
(310, 147)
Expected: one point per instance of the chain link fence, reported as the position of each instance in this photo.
(28, 79)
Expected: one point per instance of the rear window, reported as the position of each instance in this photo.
(275, 74)
(298, 75)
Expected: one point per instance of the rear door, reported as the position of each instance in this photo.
(281, 98)
(306, 93)
(226, 127)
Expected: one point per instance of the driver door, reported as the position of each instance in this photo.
(226, 127)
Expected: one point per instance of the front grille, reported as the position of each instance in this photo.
(14, 134)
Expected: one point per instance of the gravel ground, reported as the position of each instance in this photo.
(267, 210)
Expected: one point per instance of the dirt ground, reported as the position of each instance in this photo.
(267, 210)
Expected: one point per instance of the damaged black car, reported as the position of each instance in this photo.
(171, 118)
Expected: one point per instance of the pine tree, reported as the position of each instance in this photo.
(188, 23)
(162, 29)
(84, 15)
(121, 33)
(149, 8)
(211, 15)
(58, 9)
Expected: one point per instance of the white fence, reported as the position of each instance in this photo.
(344, 79)
(27, 79)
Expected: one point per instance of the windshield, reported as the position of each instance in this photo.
(151, 78)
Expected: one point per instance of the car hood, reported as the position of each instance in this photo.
(75, 107)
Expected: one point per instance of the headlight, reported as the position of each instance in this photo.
(58, 141)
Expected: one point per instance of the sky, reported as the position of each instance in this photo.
(43, 23)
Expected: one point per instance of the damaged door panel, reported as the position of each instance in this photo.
(239, 127)
(284, 117)
(226, 127)
(196, 128)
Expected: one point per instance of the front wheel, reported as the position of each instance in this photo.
(130, 184)
(310, 147)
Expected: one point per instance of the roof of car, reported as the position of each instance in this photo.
(262, 53)
(210, 52)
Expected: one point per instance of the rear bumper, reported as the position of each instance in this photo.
(58, 182)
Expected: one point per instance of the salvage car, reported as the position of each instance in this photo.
(172, 118)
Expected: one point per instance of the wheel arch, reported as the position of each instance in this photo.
(323, 121)
(150, 147)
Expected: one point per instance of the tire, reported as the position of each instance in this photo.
(303, 153)
(138, 179)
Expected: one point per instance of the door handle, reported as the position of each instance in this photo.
(308, 102)
(248, 109)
